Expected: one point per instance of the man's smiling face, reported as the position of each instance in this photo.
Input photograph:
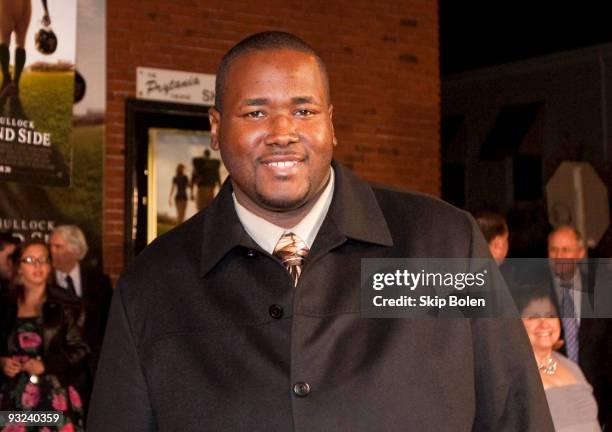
(275, 132)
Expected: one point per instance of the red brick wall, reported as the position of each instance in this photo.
(382, 59)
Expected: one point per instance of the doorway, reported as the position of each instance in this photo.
(146, 122)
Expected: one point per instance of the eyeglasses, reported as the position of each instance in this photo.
(33, 261)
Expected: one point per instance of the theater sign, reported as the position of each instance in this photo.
(175, 86)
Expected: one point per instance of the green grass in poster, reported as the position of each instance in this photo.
(82, 201)
(47, 99)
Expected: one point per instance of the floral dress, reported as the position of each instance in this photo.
(38, 393)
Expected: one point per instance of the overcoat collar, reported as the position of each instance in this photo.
(353, 214)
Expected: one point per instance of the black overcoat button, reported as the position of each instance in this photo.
(301, 389)
(276, 311)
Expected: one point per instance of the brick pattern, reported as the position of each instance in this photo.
(382, 59)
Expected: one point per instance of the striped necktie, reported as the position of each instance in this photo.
(570, 322)
(291, 250)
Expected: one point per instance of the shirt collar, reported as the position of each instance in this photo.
(353, 213)
(74, 273)
(266, 234)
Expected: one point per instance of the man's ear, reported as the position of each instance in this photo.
(215, 122)
(331, 115)
(495, 245)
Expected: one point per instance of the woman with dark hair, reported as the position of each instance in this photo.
(41, 345)
(179, 190)
(570, 397)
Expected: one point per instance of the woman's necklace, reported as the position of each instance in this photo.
(549, 367)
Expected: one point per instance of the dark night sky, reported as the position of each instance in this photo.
(478, 34)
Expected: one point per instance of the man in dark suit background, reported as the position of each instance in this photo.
(68, 247)
(588, 341)
(248, 316)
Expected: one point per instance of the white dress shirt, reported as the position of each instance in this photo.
(266, 234)
(75, 274)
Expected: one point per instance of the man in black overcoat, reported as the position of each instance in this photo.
(213, 328)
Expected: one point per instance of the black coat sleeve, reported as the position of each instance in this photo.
(97, 309)
(106, 297)
(509, 392)
(120, 400)
(603, 387)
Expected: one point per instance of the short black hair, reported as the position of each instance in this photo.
(269, 40)
(491, 224)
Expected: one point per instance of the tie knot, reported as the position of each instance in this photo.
(290, 246)
(291, 250)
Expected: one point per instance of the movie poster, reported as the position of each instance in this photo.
(37, 91)
(185, 174)
(57, 181)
